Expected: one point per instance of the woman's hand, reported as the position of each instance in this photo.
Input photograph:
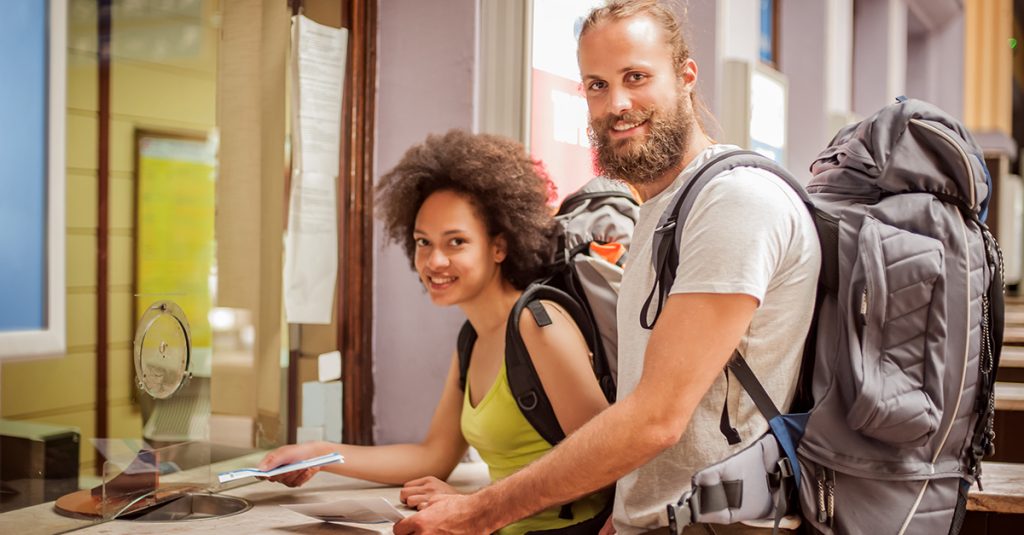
(291, 454)
(608, 528)
(417, 493)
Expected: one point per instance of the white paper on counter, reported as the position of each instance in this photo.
(311, 249)
(318, 74)
(358, 510)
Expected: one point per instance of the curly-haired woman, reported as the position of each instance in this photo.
(471, 213)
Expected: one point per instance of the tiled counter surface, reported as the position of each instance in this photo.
(266, 515)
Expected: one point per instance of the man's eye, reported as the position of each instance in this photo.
(636, 76)
(596, 86)
(421, 242)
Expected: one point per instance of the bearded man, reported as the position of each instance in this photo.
(748, 267)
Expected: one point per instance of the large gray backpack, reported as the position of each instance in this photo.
(895, 407)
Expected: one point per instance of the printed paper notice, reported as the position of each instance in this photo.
(318, 66)
(311, 249)
(311, 244)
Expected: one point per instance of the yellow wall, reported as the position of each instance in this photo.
(156, 84)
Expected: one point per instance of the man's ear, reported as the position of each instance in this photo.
(500, 247)
(687, 73)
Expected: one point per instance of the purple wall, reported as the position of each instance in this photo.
(427, 61)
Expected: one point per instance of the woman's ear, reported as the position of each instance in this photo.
(500, 247)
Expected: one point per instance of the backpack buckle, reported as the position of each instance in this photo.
(680, 514)
(666, 227)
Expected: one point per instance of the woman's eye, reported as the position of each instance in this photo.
(421, 242)
(636, 76)
(456, 242)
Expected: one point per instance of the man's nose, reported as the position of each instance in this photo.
(621, 100)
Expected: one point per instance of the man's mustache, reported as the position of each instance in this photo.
(603, 124)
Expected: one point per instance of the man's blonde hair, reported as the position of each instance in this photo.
(656, 10)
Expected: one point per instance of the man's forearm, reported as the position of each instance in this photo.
(614, 443)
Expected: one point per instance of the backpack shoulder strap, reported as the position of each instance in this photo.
(522, 376)
(464, 346)
(668, 232)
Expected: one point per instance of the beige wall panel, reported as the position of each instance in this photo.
(122, 202)
(121, 261)
(317, 339)
(232, 385)
(120, 373)
(82, 25)
(197, 62)
(81, 263)
(81, 202)
(83, 81)
(122, 142)
(81, 318)
(139, 90)
(119, 317)
(125, 420)
(46, 385)
(81, 140)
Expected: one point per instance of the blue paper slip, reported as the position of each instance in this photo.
(330, 458)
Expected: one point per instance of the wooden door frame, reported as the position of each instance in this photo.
(355, 222)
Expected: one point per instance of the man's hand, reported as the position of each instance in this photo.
(415, 493)
(447, 514)
(608, 528)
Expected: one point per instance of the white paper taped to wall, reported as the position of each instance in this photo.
(311, 244)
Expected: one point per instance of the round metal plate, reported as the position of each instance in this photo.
(163, 350)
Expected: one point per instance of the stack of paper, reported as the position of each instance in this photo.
(233, 475)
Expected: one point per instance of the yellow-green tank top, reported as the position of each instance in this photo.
(507, 442)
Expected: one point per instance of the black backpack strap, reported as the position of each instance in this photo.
(464, 347)
(668, 233)
(522, 376)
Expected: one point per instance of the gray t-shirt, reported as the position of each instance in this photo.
(748, 233)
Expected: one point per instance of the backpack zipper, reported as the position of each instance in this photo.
(864, 306)
(963, 154)
(822, 511)
(826, 495)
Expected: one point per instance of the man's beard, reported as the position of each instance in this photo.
(641, 161)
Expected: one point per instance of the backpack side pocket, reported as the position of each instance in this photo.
(894, 280)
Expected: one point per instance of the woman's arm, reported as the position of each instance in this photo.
(395, 464)
(562, 360)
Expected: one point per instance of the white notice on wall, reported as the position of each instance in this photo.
(311, 244)
(318, 56)
(311, 249)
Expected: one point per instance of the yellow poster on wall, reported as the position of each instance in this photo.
(175, 248)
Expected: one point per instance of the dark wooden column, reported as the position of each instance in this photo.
(103, 18)
(355, 210)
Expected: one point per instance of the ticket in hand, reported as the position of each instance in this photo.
(233, 475)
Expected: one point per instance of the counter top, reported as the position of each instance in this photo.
(1004, 489)
(1004, 493)
(266, 515)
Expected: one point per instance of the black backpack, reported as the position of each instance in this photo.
(602, 211)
